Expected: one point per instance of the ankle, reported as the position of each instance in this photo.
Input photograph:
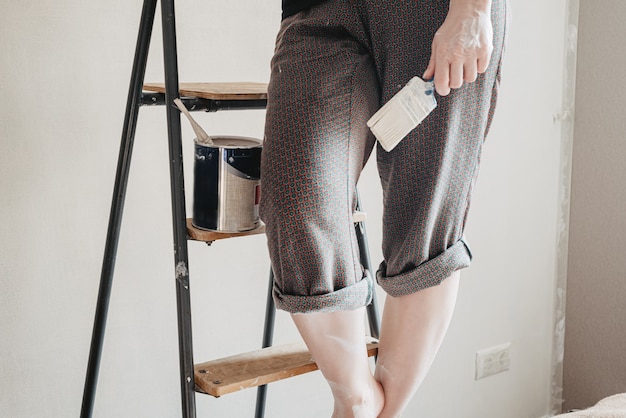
(365, 400)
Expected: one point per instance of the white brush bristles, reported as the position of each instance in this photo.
(403, 112)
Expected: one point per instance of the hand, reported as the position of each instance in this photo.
(461, 48)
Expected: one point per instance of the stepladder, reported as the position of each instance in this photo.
(222, 376)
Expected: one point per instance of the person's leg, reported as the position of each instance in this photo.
(337, 342)
(427, 183)
(413, 328)
(322, 91)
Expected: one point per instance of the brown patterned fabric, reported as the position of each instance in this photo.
(334, 66)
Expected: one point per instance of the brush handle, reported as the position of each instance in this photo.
(200, 133)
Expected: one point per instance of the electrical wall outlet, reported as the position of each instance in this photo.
(493, 360)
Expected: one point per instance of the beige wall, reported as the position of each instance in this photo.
(595, 338)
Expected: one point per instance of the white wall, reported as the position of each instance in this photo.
(65, 70)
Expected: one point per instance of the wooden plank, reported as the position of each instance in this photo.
(217, 91)
(248, 370)
(197, 234)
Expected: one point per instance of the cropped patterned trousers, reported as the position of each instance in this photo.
(334, 66)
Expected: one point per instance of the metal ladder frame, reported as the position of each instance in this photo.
(137, 98)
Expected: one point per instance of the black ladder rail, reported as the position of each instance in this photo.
(208, 105)
(268, 336)
(366, 261)
(117, 205)
(177, 181)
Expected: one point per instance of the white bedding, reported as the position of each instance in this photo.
(611, 407)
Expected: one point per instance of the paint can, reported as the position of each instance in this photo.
(227, 184)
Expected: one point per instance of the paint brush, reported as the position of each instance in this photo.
(403, 112)
(201, 136)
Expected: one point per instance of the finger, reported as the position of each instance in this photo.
(483, 63)
(470, 71)
(456, 75)
(442, 79)
(430, 70)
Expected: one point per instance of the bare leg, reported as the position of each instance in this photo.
(337, 342)
(412, 330)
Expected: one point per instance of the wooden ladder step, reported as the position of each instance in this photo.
(256, 368)
(216, 91)
(198, 234)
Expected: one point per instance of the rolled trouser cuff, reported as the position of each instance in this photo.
(428, 274)
(348, 298)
